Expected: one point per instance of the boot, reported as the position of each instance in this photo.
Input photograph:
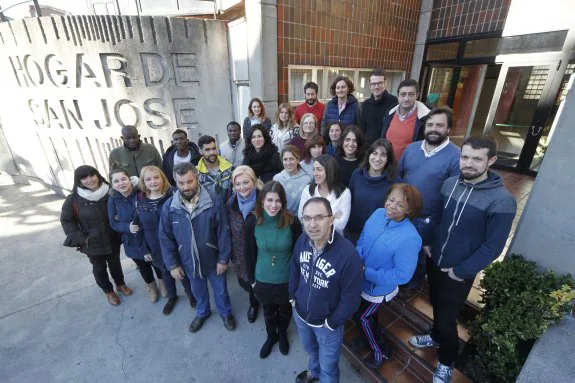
(271, 329)
(153, 293)
(162, 288)
(283, 324)
(253, 311)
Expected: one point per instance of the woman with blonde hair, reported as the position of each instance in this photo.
(155, 190)
(246, 189)
(284, 129)
(308, 128)
(256, 116)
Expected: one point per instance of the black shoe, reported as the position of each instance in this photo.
(253, 313)
(193, 301)
(283, 343)
(267, 347)
(374, 364)
(305, 377)
(229, 322)
(198, 322)
(169, 307)
(359, 344)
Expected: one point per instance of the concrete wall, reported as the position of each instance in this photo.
(70, 83)
(545, 232)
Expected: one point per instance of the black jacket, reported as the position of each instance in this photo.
(89, 220)
(373, 112)
(266, 164)
(168, 160)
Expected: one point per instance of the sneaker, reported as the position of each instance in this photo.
(442, 374)
(305, 377)
(422, 341)
(198, 322)
(229, 322)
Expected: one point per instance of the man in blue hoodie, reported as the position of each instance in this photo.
(324, 288)
(471, 226)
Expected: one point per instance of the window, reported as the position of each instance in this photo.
(324, 76)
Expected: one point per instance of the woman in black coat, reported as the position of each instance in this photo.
(84, 218)
(262, 155)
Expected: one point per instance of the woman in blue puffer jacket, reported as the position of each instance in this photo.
(121, 209)
(388, 246)
(343, 107)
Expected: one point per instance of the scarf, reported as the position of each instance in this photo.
(247, 204)
(95, 195)
(261, 162)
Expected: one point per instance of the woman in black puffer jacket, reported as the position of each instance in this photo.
(262, 155)
(84, 218)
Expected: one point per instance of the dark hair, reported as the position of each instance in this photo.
(184, 168)
(180, 131)
(391, 163)
(262, 114)
(331, 175)
(83, 172)
(321, 200)
(205, 139)
(285, 218)
(412, 197)
(378, 72)
(358, 137)
(408, 82)
(350, 87)
(482, 142)
(328, 127)
(311, 85)
(441, 110)
(233, 123)
(117, 170)
(310, 143)
(265, 133)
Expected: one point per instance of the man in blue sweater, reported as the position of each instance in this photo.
(324, 288)
(471, 226)
(426, 165)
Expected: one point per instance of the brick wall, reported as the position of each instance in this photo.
(451, 18)
(345, 33)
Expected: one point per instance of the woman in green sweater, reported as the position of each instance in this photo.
(270, 235)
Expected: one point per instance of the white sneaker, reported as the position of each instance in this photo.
(422, 341)
(442, 374)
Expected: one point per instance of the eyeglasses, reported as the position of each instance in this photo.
(317, 219)
(238, 185)
(374, 84)
(405, 94)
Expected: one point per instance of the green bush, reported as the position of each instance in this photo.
(520, 304)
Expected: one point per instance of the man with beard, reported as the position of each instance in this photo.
(426, 165)
(134, 154)
(181, 150)
(404, 123)
(215, 172)
(376, 107)
(471, 225)
(196, 241)
(311, 104)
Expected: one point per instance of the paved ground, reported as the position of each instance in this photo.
(56, 326)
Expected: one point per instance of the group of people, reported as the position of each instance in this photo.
(324, 214)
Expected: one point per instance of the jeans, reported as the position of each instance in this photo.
(323, 346)
(147, 270)
(100, 266)
(447, 297)
(219, 285)
(170, 283)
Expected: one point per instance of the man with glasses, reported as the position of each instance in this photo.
(375, 108)
(324, 288)
(182, 150)
(404, 123)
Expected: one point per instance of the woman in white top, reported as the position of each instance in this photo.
(285, 128)
(326, 184)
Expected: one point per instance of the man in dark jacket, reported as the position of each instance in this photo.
(375, 108)
(134, 154)
(471, 224)
(182, 150)
(324, 288)
(196, 241)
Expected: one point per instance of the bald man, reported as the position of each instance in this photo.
(134, 154)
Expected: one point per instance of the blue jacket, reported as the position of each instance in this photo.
(389, 251)
(121, 213)
(471, 225)
(148, 218)
(350, 115)
(367, 194)
(329, 291)
(199, 240)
